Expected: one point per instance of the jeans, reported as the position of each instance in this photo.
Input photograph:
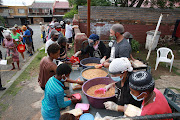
(1, 39)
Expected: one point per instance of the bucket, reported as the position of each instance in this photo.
(97, 102)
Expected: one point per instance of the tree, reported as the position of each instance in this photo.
(151, 3)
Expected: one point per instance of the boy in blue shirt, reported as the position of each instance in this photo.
(54, 94)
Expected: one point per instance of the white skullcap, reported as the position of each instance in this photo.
(119, 65)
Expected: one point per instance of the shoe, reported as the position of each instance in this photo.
(2, 88)
(31, 55)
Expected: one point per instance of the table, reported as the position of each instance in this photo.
(103, 112)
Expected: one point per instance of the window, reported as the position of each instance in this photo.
(59, 10)
(9, 10)
(21, 11)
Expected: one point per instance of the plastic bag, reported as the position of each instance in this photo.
(41, 35)
(98, 117)
(21, 48)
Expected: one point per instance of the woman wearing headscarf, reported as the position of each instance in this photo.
(11, 45)
(17, 37)
(120, 69)
(95, 48)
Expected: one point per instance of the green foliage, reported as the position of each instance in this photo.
(71, 13)
(2, 21)
(100, 3)
(135, 45)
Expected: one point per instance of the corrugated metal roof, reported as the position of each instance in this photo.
(42, 5)
(62, 4)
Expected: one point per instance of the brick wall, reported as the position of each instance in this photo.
(137, 21)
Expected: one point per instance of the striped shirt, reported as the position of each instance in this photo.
(53, 99)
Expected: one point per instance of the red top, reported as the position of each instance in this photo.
(159, 106)
(19, 31)
(178, 31)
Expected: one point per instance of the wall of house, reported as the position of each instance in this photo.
(16, 11)
(137, 21)
(36, 20)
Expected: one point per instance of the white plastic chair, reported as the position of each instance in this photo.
(162, 56)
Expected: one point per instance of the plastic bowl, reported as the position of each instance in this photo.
(94, 68)
(89, 60)
(97, 102)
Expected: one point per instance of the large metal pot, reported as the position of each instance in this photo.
(95, 101)
(94, 68)
(89, 60)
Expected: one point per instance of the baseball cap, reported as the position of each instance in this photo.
(94, 37)
(54, 32)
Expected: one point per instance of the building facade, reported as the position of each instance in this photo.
(40, 12)
(59, 9)
(14, 14)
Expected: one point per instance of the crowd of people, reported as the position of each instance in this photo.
(136, 88)
(14, 38)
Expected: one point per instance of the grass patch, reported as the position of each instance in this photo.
(3, 107)
(175, 89)
(26, 75)
(175, 70)
(70, 53)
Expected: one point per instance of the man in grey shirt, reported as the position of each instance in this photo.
(120, 46)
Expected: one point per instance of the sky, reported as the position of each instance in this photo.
(24, 2)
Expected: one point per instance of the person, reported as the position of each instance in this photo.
(27, 39)
(54, 94)
(43, 31)
(62, 23)
(1, 35)
(120, 46)
(63, 51)
(48, 67)
(67, 116)
(56, 27)
(128, 36)
(18, 30)
(17, 37)
(1, 87)
(68, 32)
(120, 69)
(54, 36)
(142, 88)
(95, 48)
(31, 31)
(11, 45)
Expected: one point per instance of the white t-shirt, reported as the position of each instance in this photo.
(68, 33)
(48, 43)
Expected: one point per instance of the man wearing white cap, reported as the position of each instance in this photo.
(120, 46)
(120, 69)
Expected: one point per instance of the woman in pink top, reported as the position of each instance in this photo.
(142, 88)
(11, 45)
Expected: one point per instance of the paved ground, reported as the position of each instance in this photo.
(7, 75)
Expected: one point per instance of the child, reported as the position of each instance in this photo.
(54, 94)
(67, 116)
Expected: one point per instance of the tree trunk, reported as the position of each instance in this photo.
(140, 3)
(132, 3)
